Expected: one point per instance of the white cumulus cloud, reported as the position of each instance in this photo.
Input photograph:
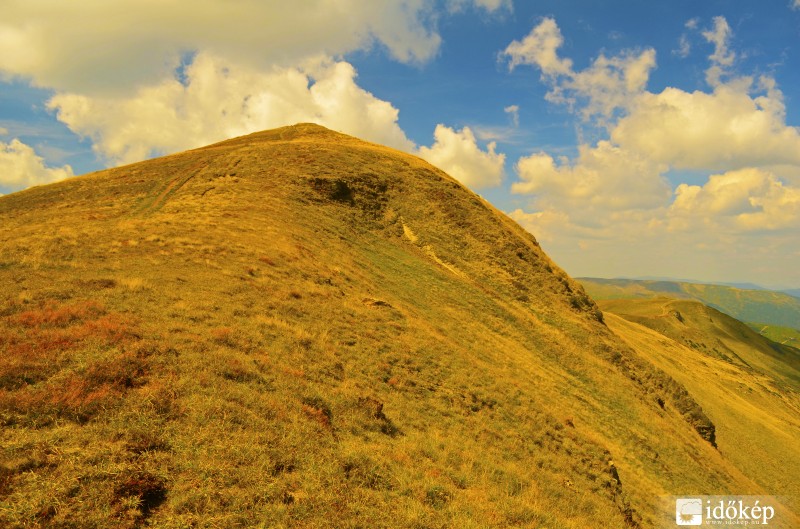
(605, 86)
(750, 199)
(604, 177)
(614, 200)
(141, 82)
(540, 48)
(727, 128)
(21, 167)
(218, 100)
(610, 83)
(111, 47)
(458, 154)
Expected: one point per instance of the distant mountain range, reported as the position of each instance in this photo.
(752, 305)
(743, 286)
(792, 292)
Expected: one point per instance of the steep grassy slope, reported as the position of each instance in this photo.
(299, 329)
(713, 333)
(749, 385)
(762, 306)
(776, 333)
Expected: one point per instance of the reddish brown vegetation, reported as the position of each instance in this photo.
(39, 379)
(50, 314)
(318, 410)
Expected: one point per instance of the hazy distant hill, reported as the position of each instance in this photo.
(793, 292)
(742, 286)
(300, 329)
(749, 305)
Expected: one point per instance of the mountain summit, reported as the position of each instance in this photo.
(297, 328)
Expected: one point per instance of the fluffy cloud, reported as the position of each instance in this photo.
(684, 46)
(547, 225)
(540, 48)
(727, 128)
(215, 100)
(557, 228)
(638, 244)
(604, 177)
(613, 200)
(748, 199)
(739, 124)
(457, 153)
(218, 100)
(175, 78)
(21, 167)
(608, 84)
(491, 6)
(736, 125)
(111, 47)
(723, 57)
(720, 36)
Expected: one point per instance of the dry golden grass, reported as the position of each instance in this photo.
(247, 335)
(749, 386)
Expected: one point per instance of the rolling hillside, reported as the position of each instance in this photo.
(749, 305)
(776, 333)
(749, 385)
(300, 329)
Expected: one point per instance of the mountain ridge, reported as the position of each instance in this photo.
(762, 306)
(297, 326)
(749, 384)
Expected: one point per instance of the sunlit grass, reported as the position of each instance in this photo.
(248, 335)
(747, 384)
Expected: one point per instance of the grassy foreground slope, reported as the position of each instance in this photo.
(760, 306)
(300, 329)
(749, 385)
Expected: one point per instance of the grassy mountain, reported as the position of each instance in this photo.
(776, 333)
(748, 305)
(749, 385)
(300, 329)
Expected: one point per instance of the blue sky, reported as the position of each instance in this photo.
(632, 138)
